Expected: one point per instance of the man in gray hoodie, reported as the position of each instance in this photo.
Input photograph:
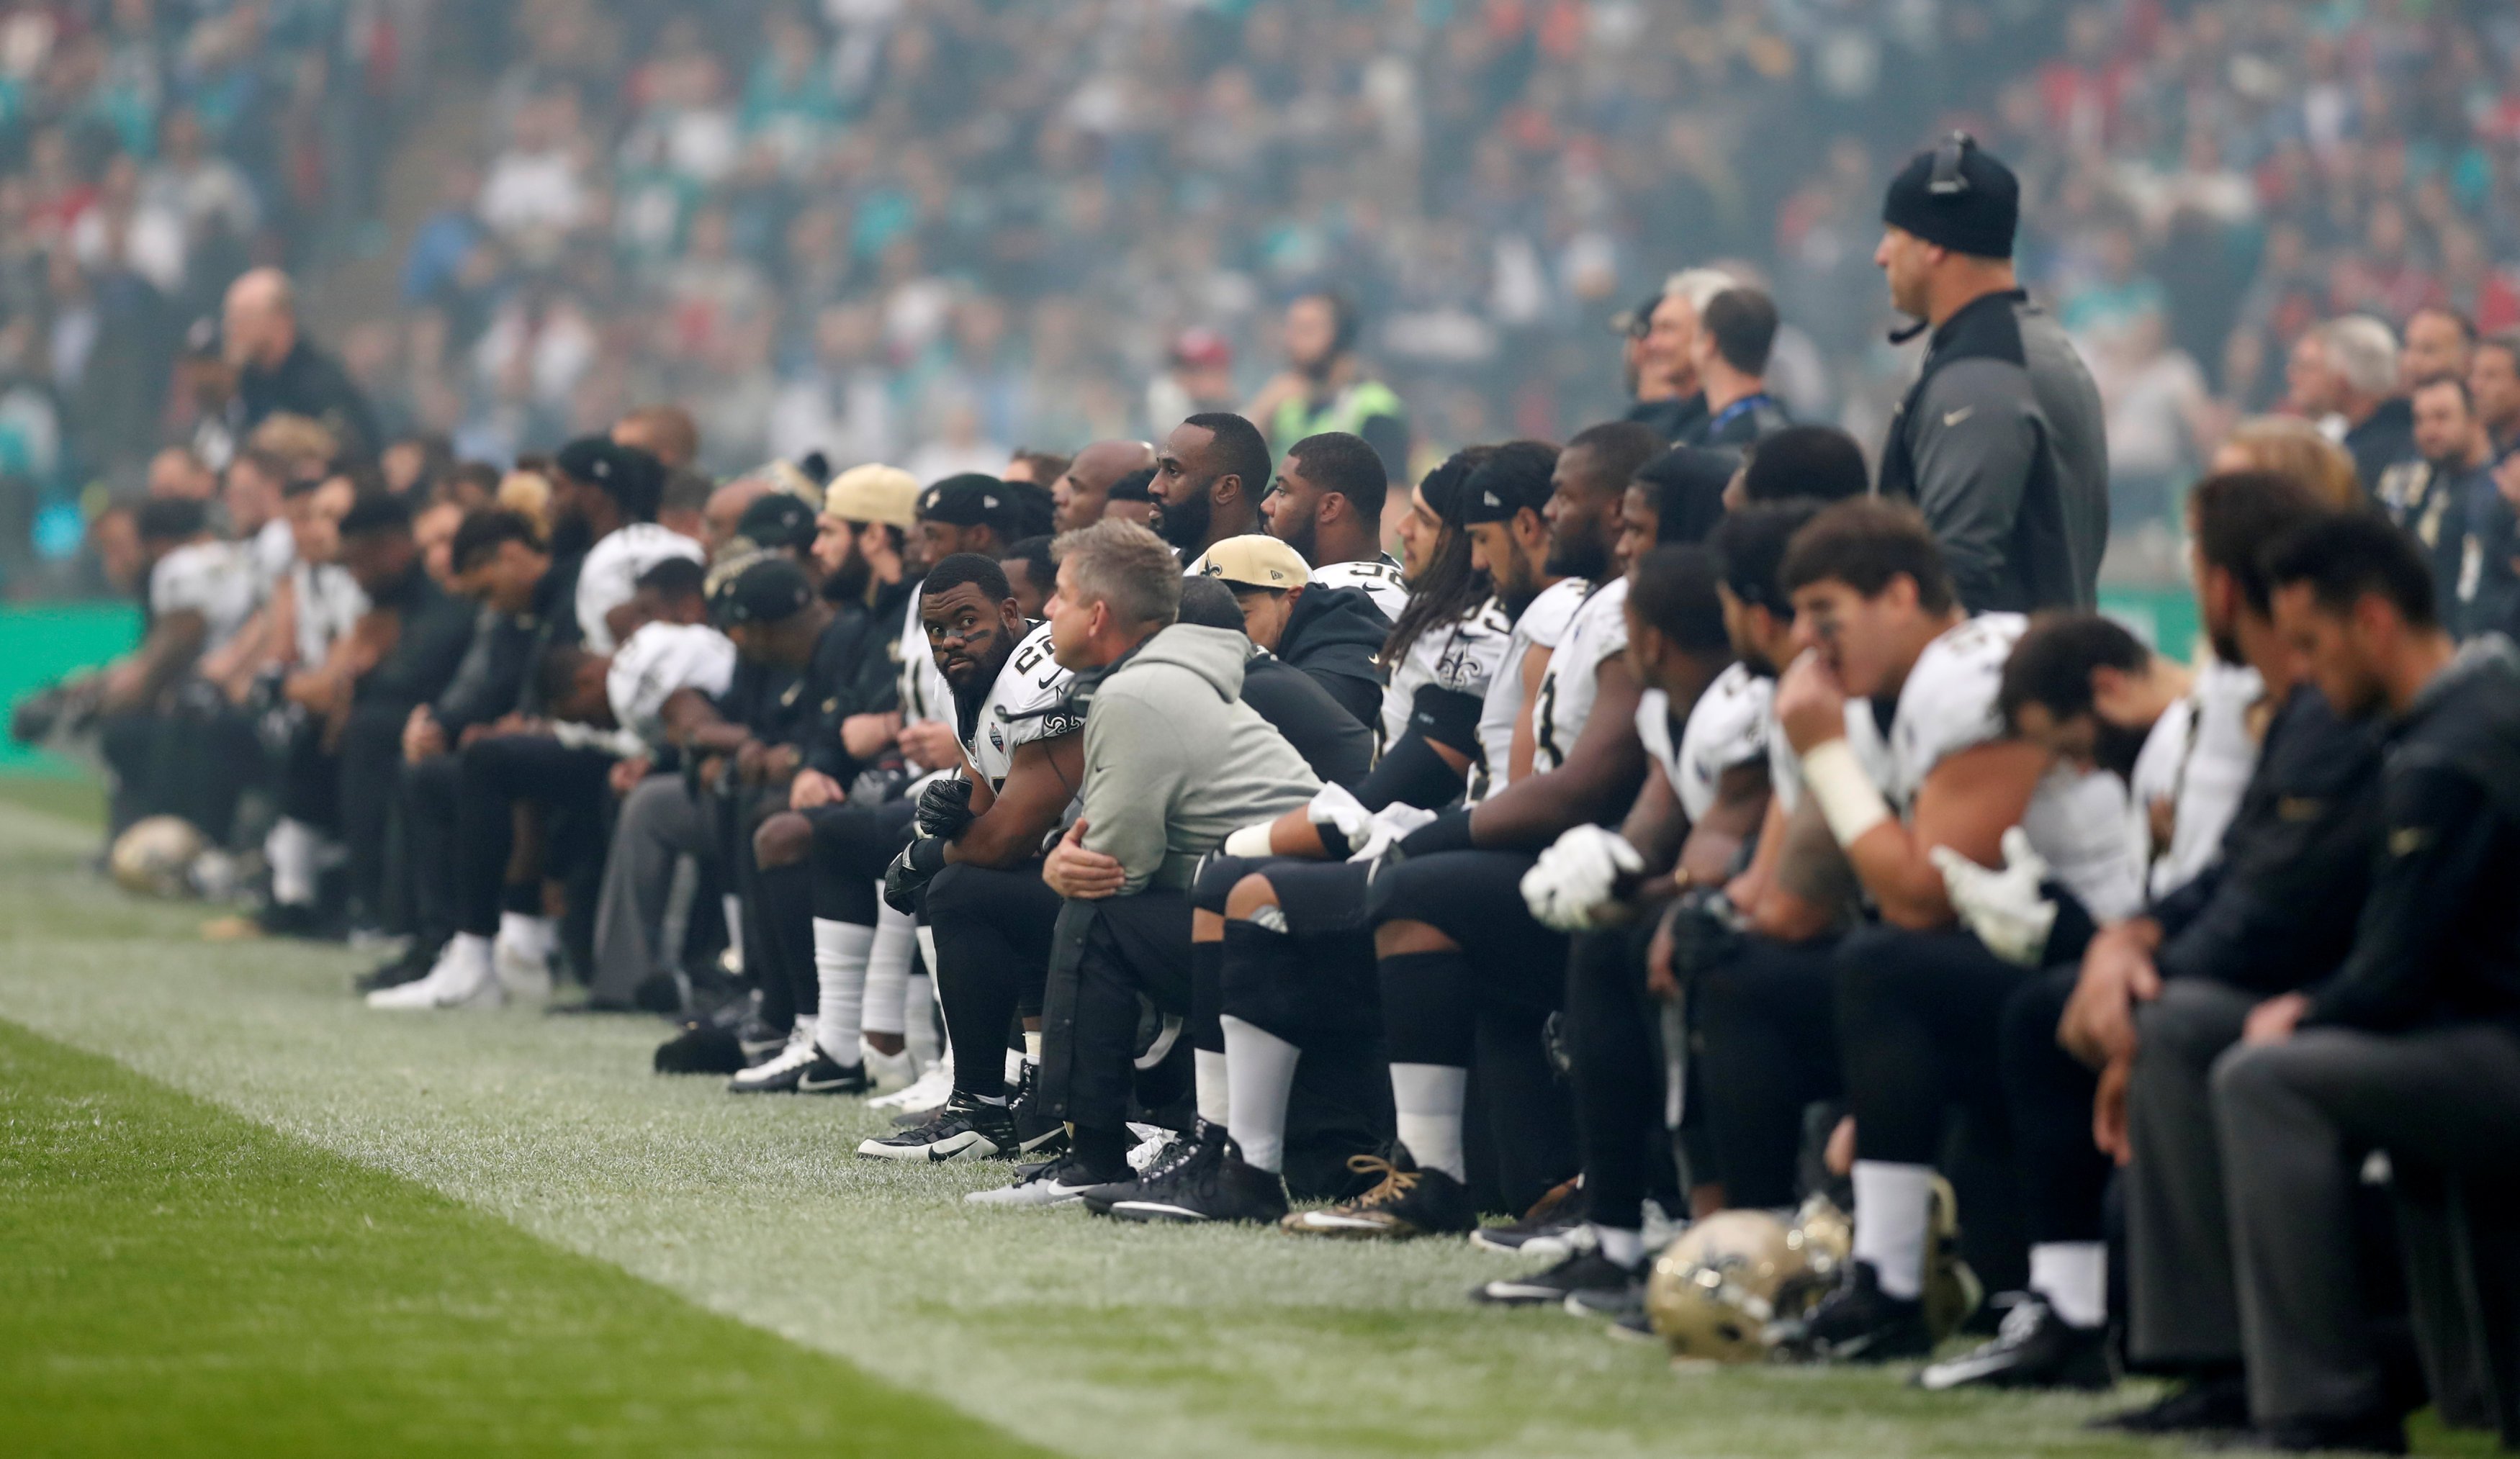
(1174, 762)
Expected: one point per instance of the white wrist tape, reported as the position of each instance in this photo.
(1847, 795)
(1251, 841)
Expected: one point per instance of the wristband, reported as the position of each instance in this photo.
(1448, 831)
(926, 854)
(1846, 796)
(1251, 843)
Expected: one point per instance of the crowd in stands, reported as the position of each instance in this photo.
(881, 227)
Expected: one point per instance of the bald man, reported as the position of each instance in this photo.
(1079, 494)
(279, 370)
(666, 432)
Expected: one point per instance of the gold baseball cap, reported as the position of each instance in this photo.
(873, 494)
(1258, 560)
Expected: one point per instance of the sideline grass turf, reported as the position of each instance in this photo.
(1082, 1335)
(180, 1281)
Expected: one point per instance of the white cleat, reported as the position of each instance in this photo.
(462, 978)
(780, 1072)
(889, 1072)
(523, 974)
(928, 1092)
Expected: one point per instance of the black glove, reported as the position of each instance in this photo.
(945, 808)
(911, 871)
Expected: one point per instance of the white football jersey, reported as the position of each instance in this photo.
(214, 579)
(610, 574)
(327, 603)
(1572, 679)
(1726, 728)
(273, 549)
(1027, 703)
(659, 662)
(1542, 625)
(1948, 704)
(1380, 578)
(2198, 759)
(925, 693)
(1462, 657)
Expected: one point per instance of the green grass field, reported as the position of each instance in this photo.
(239, 1214)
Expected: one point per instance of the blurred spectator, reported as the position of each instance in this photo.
(278, 369)
(2346, 372)
(1324, 386)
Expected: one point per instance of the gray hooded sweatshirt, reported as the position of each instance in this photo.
(1175, 760)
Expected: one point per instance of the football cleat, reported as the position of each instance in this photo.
(761, 1039)
(1858, 1323)
(965, 1127)
(1059, 1182)
(1554, 1227)
(1213, 1183)
(890, 1072)
(459, 979)
(1159, 1155)
(412, 966)
(922, 1097)
(1585, 1270)
(2208, 1405)
(1042, 1132)
(524, 973)
(2033, 1349)
(1407, 1202)
(780, 1072)
(829, 1076)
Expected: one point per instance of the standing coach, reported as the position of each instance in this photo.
(1999, 440)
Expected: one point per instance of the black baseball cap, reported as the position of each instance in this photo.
(777, 520)
(771, 590)
(971, 500)
(1515, 476)
(625, 473)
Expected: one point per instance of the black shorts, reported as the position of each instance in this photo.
(1476, 899)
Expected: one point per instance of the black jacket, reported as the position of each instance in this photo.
(1672, 420)
(499, 662)
(1335, 635)
(2385, 438)
(2000, 443)
(309, 383)
(865, 678)
(2439, 940)
(436, 630)
(1333, 741)
(2276, 911)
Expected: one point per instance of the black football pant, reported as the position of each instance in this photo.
(1764, 1021)
(191, 759)
(371, 770)
(431, 790)
(1119, 972)
(1614, 1038)
(1484, 1004)
(836, 882)
(993, 931)
(2049, 1093)
(498, 774)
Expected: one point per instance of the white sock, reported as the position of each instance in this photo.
(888, 980)
(1262, 1069)
(292, 847)
(1624, 1247)
(1215, 1095)
(1893, 1204)
(926, 946)
(918, 1013)
(1032, 1047)
(2073, 1277)
(1014, 1068)
(733, 906)
(1427, 1099)
(533, 936)
(839, 983)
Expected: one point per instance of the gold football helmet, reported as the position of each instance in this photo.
(155, 858)
(1715, 1291)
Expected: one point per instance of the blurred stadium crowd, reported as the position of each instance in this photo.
(928, 231)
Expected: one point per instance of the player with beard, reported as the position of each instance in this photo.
(976, 858)
(1465, 974)
(603, 506)
(1210, 475)
(1326, 504)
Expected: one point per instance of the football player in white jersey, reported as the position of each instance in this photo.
(974, 866)
(1446, 645)
(1918, 999)
(1326, 504)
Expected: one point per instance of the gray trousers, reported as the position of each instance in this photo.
(2182, 1299)
(2294, 1120)
(661, 821)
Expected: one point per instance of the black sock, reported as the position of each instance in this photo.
(1104, 1153)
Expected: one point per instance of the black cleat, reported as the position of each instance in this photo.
(1859, 1323)
(1585, 1270)
(761, 1039)
(1407, 1202)
(1042, 1132)
(412, 966)
(2361, 1433)
(964, 1127)
(1221, 1187)
(2033, 1349)
(1554, 1227)
(1183, 1159)
(2208, 1405)
(829, 1076)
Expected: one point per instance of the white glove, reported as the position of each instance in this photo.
(1339, 816)
(1385, 831)
(1571, 886)
(2004, 908)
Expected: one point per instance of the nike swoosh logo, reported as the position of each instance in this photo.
(1954, 417)
(818, 1085)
